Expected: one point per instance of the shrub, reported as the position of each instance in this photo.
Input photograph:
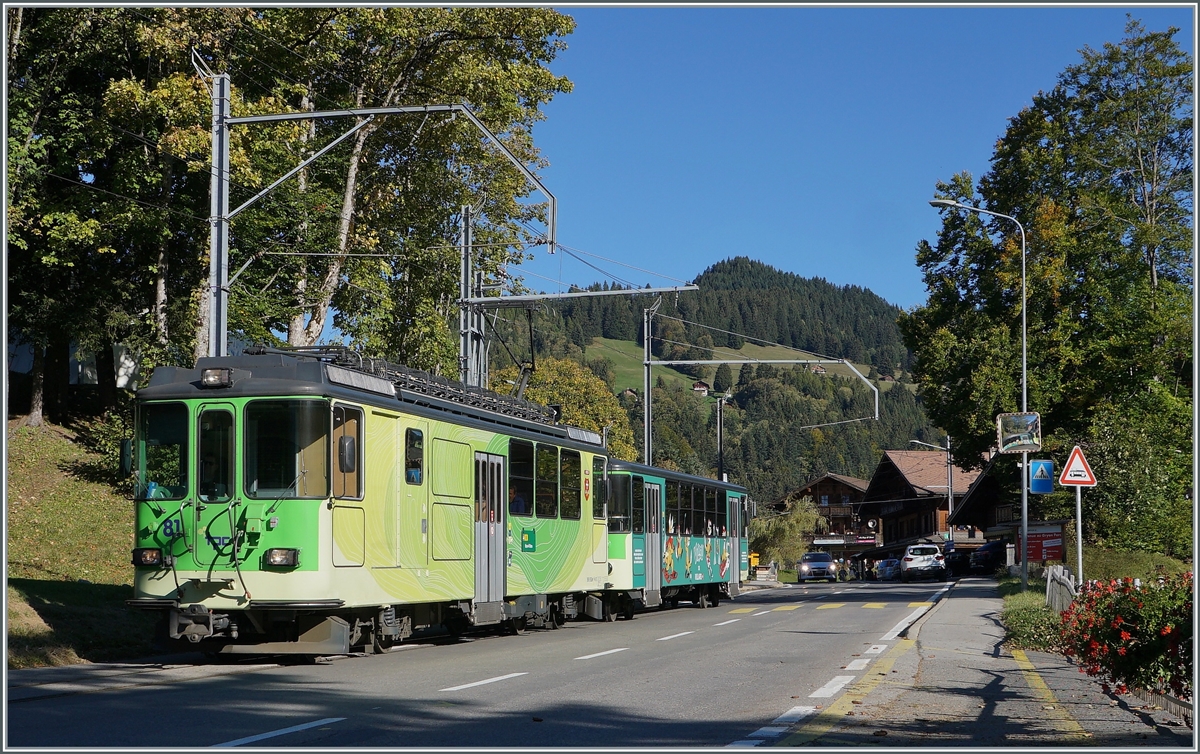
(1133, 636)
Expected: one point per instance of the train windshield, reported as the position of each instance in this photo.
(162, 451)
(287, 449)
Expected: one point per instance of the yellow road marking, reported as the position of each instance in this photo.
(874, 604)
(1068, 724)
(788, 607)
(920, 604)
(744, 610)
(830, 607)
(835, 713)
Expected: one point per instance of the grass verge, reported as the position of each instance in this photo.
(69, 536)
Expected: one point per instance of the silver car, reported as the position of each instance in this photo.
(816, 565)
(888, 570)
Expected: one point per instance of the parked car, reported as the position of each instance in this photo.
(958, 563)
(888, 570)
(816, 565)
(989, 557)
(922, 561)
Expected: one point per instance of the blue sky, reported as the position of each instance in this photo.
(808, 138)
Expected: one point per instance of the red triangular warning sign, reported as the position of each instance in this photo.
(1077, 472)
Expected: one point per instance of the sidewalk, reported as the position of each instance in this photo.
(951, 683)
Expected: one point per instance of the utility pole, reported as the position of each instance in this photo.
(647, 442)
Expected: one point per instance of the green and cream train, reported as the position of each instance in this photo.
(312, 501)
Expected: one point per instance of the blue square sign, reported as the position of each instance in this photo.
(1041, 476)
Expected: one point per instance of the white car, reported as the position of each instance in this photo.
(887, 570)
(923, 560)
(816, 565)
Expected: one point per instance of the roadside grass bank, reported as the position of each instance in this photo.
(69, 538)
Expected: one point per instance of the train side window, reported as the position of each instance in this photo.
(672, 508)
(414, 456)
(745, 518)
(685, 509)
(618, 503)
(547, 481)
(572, 481)
(348, 453)
(520, 478)
(599, 487)
(722, 514)
(639, 505)
(710, 512)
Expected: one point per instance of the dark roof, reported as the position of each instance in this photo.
(923, 472)
(850, 481)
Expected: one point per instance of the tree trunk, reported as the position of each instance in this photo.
(37, 391)
(203, 305)
(161, 268)
(320, 309)
(106, 377)
(300, 287)
(57, 378)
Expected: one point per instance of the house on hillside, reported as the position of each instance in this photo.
(816, 368)
(701, 387)
(908, 497)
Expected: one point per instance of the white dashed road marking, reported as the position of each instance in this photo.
(795, 715)
(281, 732)
(601, 654)
(859, 664)
(764, 612)
(833, 686)
(675, 636)
(484, 682)
(726, 623)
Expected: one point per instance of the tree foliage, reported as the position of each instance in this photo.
(1099, 173)
(780, 536)
(109, 170)
(586, 400)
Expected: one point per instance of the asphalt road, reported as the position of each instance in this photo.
(684, 678)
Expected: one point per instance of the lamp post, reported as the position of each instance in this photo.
(949, 480)
(950, 204)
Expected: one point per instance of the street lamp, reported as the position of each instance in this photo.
(950, 204)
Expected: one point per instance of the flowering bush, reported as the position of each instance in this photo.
(1134, 636)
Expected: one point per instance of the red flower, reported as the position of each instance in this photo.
(1125, 636)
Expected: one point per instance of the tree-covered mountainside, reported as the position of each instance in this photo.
(772, 440)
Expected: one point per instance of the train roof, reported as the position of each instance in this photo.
(641, 468)
(340, 373)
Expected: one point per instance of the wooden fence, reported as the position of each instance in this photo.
(1060, 587)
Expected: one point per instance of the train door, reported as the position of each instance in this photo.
(736, 512)
(654, 513)
(490, 528)
(213, 497)
(637, 525)
(413, 529)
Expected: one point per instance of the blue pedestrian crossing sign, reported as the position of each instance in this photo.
(1041, 476)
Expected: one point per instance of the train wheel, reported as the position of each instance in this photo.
(610, 613)
(517, 626)
(716, 598)
(556, 619)
(674, 602)
(628, 612)
(702, 599)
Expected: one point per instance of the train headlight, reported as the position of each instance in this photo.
(216, 377)
(284, 557)
(151, 557)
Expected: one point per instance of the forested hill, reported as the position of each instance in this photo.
(749, 298)
(746, 296)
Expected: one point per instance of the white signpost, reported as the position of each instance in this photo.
(1078, 474)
